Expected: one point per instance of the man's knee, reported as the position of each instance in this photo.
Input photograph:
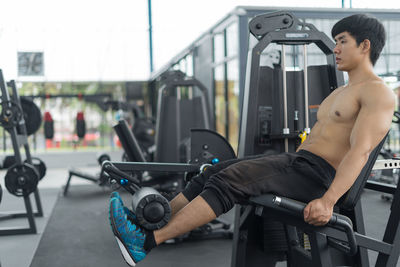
(219, 194)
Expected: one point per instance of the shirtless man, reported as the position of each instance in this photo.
(352, 120)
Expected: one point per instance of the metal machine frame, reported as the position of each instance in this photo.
(19, 138)
(281, 28)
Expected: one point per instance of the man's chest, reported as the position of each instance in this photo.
(341, 107)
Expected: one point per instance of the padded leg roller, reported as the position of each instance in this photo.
(151, 208)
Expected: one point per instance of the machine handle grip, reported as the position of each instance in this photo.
(337, 221)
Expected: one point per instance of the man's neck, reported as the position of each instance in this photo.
(362, 73)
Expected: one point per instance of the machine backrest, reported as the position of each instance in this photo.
(129, 142)
(350, 199)
(176, 118)
(182, 105)
(263, 111)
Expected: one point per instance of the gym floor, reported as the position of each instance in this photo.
(73, 234)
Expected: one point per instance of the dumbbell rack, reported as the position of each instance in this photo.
(19, 138)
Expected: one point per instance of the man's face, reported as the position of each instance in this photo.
(348, 54)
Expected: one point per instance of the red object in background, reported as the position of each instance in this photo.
(48, 126)
(49, 143)
(80, 116)
(47, 116)
(80, 125)
(117, 142)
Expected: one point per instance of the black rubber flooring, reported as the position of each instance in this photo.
(78, 234)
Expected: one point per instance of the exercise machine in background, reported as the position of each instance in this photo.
(184, 146)
(182, 106)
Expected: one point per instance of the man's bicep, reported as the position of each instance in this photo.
(372, 123)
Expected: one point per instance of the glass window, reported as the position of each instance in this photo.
(314, 51)
(232, 40)
(189, 65)
(323, 25)
(182, 65)
(392, 44)
(219, 49)
(233, 102)
(393, 36)
(394, 63)
(315, 59)
(220, 102)
(295, 56)
(381, 66)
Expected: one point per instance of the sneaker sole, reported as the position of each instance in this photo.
(124, 251)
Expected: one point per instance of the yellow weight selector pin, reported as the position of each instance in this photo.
(303, 136)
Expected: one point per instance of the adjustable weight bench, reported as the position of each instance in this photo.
(342, 242)
(84, 175)
(97, 179)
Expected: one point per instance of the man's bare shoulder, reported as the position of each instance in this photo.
(377, 92)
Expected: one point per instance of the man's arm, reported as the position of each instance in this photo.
(372, 123)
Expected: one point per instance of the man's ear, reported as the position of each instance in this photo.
(366, 45)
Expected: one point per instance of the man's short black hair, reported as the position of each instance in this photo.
(361, 27)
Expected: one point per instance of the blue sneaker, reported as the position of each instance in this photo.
(131, 215)
(130, 238)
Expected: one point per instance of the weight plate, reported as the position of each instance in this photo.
(32, 115)
(10, 114)
(40, 166)
(21, 179)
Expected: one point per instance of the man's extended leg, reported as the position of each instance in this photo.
(197, 213)
(135, 243)
(177, 203)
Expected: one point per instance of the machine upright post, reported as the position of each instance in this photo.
(285, 107)
(306, 115)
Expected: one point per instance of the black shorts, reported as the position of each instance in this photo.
(302, 175)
